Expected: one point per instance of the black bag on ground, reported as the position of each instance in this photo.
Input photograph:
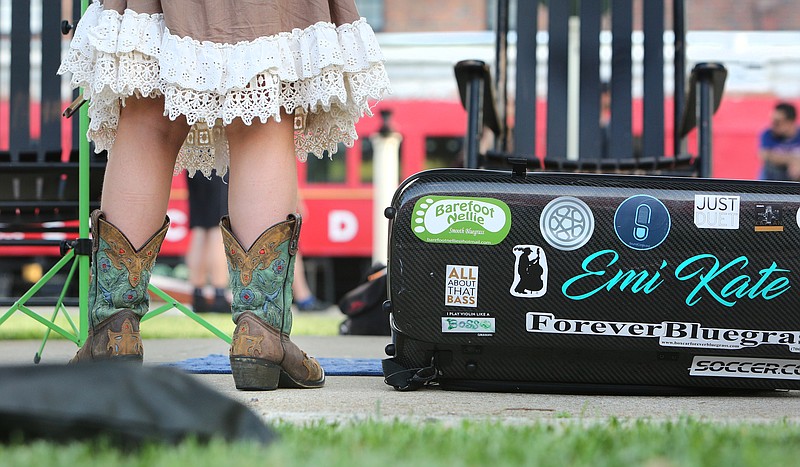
(125, 403)
(518, 281)
(364, 306)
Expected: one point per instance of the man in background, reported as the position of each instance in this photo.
(779, 146)
(205, 258)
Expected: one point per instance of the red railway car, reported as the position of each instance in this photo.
(337, 194)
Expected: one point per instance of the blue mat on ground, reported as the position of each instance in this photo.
(220, 364)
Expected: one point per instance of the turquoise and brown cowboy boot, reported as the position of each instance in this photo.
(262, 355)
(118, 296)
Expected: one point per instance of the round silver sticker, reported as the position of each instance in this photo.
(567, 223)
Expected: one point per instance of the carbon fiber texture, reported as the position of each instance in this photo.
(741, 279)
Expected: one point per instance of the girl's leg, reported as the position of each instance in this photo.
(196, 258)
(263, 176)
(207, 264)
(198, 267)
(216, 262)
(300, 288)
(303, 296)
(261, 245)
(128, 235)
(140, 168)
(217, 265)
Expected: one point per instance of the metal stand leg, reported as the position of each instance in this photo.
(172, 303)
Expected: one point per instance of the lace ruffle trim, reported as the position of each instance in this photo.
(331, 72)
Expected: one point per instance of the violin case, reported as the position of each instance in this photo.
(588, 283)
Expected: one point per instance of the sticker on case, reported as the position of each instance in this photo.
(716, 211)
(461, 220)
(566, 223)
(769, 217)
(530, 272)
(742, 367)
(642, 222)
(468, 325)
(461, 287)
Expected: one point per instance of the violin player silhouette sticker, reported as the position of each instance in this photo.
(530, 272)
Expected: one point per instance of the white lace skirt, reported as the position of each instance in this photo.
(325, 75)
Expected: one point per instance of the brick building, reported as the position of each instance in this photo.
(476, 15)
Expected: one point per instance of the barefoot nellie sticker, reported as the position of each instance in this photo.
(461, 220)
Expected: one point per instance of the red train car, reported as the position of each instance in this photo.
(337, 194)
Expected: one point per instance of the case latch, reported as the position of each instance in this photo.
(519, 166)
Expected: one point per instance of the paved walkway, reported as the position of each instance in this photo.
(347, 398)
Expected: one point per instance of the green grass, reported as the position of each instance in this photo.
(21, 326)
(685, 442)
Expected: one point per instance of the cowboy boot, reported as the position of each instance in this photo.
(262, 355)
(118, 295)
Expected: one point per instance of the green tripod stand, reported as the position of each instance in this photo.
(78, 253)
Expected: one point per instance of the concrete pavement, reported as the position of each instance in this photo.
(347, 398)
